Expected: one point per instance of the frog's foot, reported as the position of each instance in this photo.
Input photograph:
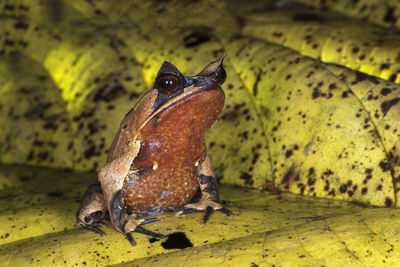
(135, 225)
(206, 205)
(127, 223)
(92, 227)
(92, 222)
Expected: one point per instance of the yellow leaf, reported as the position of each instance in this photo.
(37, 216)
(331, 38)
(382, 12)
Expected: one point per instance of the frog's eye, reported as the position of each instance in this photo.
(168, 84)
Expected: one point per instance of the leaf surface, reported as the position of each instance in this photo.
(312, 108)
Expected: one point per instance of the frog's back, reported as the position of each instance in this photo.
(130, 125)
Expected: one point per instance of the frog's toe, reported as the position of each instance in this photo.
(135, 225)
(92, 226)
(130, 239)
(209, 210)
(207, 206)
(226, 211)
(151, 220)
(95, 228)
(185, 211)
(140, 229)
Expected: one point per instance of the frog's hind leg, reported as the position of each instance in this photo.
(92, 212)
(126, 223)
(209, 201)
(112, 177)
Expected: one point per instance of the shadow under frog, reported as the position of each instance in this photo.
(158, 158)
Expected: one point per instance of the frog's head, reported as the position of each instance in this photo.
(170, 82)
(202, 90)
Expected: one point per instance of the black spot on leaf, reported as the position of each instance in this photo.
(343, 188)
(292, 174)
(332, 86)
(328, 173)
(387, 105)
(258, 79)
(195, 39)
(332, 192)
(247, 178)
(304, 16)
(390, 15)
(393, 78)
(364, 190)
(385, 166)
(385, 91)
(384, 66)
(388, 202)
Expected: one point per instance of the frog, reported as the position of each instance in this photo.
(158, 161)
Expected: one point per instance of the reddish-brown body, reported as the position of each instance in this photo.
(174, 141)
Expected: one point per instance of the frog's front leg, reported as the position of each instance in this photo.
(112, 177)
(209, 201)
